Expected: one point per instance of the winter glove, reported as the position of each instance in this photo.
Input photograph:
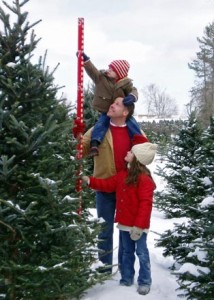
(136, 233)
(129, 100)
(86, 180)
(78, 128)
(85, 57)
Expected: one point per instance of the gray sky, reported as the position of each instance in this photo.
(157, 37)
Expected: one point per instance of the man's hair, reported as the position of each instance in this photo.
(130, 109)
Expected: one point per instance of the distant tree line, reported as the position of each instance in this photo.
(162, 132)
(156, 130)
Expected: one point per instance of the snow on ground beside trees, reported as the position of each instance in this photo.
(164, 283)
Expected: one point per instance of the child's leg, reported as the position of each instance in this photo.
(100, 128)
(98, 133)
(142, 252)
(120, 251)
(133, 127)
(128, 259)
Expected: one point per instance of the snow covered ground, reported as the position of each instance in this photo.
(164, 283)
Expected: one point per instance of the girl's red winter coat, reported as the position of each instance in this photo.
(134, 202)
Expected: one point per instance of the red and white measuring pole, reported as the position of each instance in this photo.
(80, 100)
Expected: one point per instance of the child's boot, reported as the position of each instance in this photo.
(143, 289)
(94, 151)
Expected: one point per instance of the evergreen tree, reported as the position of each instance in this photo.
(90, 114)
(191, 242)
(175, 199)
(46, 248)
(200, 252)
(90, 117)
(202, 94)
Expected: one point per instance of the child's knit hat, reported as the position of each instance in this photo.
(143, 151)
(120, 67)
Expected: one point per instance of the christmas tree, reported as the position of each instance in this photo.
(200, 283)
(90, 115)
(46, 248)
(175, 199)
(191, 242)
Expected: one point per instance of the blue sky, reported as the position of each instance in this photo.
(157, 37)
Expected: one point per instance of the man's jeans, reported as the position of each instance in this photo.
(106, 203)
(129, 247)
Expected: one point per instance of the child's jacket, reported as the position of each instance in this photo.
(106, 89)
(134, 203)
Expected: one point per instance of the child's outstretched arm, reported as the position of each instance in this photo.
(107, 185)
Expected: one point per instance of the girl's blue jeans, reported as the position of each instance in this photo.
(129, 248)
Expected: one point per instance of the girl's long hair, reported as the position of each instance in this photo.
(136, 169)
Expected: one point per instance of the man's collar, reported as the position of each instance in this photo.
(111, 123)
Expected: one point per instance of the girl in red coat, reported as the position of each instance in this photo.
(134, 189)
